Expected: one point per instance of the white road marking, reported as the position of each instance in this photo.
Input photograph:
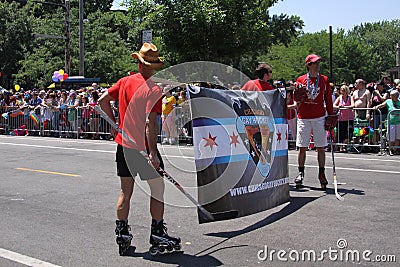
(26, 260)
(350, 169)
(380, 158)
(84, 149)
(57, 147)
(190, 157)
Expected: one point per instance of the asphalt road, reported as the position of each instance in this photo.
(58, 197)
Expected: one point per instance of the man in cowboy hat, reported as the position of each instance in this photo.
(139, 104)
(316, 91)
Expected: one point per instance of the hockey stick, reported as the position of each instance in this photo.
(335, 182)
(205, 214)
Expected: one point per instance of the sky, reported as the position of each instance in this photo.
(343, 14)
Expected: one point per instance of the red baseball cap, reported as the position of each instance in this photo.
(312, 58)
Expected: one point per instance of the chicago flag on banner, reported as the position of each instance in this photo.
(240, 143)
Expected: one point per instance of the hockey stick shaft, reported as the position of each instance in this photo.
(335, 183)
(206, 213)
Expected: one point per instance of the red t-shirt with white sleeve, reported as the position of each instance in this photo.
(317, 97)
(137, 96)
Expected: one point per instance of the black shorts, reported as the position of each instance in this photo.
(130, 163)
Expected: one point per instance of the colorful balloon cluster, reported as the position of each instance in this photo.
(363, 131)
(59, 76)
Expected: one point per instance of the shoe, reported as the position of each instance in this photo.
(322, 180)
(165, 142)
(299, 179)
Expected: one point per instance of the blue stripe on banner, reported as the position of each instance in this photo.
(280, 153)
(214, 121)
(232, 158)
(237, 158)
(280, 120)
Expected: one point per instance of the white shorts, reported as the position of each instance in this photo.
(394, 132)
(307, 126)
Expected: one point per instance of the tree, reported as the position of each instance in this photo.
(107, 53)
(223, 31)
(97, 5)
(15, 38)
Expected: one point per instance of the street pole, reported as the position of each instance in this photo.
(67, 38)
(66, 35)
(81, 41)
(398, 60)
(330, 54)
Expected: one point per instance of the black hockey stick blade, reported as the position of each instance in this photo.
(216, 216)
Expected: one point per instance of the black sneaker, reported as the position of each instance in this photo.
(322, 180)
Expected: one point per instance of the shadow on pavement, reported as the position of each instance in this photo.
(179, 258)
(329, 191)
(295, 204)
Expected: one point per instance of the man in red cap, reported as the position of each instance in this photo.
(139, 104)
(312, 92)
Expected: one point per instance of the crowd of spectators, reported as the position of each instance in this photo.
(70, 113)
(61, 112)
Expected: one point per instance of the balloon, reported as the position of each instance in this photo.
(54, 78)
(65, 76)
(55, 73)
(17, 87)
(356, 131)
(60, 76)
(61, 80)
(61, 72)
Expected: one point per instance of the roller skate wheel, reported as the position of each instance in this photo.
(153, 251)
(170, 249)
(178, 247)
(161, 250)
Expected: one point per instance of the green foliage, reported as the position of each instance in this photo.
(15, 38)
(367, 52)
(228, 31)
(238, 33)
(97, 5)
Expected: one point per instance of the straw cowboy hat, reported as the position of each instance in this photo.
(149, 56)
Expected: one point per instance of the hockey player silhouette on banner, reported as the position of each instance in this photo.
(255, 127)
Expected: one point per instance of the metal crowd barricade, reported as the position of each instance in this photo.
(364, 135)
(292, 129)
(391, 113)
(184, 123)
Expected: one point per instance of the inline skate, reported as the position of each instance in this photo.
(123, 235)
(160, 241)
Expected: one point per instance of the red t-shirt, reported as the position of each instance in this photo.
(137, 96)
(257, 85)
(313, 106)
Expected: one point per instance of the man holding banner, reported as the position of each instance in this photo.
(264, 74)
(312, 92)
